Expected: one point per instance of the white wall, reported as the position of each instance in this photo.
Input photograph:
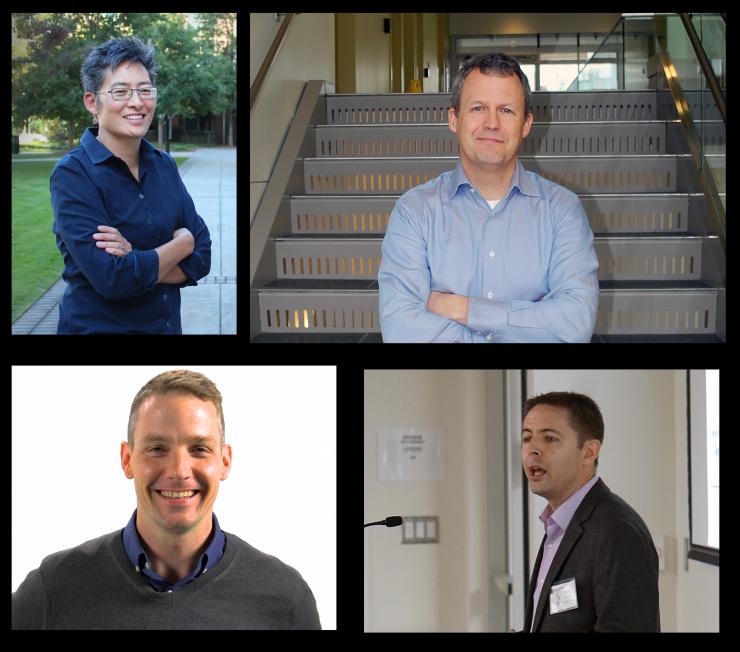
(262, 30)
(428, 587)
(307, 53)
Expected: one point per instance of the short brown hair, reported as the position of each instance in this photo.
(494, 63)
(180, 381)
(584, 415)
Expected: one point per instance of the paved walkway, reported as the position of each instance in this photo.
(210, 308)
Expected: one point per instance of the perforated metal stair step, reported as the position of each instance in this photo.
(618, 213)
(391, 108)
(645, 257)
(580, 174)
(636, 311)
(549, 138)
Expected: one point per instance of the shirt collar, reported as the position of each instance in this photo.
(520, 180)
(99, 152)
(564, 514)
(140, 560)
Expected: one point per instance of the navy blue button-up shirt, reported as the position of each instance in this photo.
(141, 563)
(90, 186)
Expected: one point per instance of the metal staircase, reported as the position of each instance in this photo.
(661, 265)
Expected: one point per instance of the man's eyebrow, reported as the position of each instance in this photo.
(486, 103)
(161, 438)
(543, 430)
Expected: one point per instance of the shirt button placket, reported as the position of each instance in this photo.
(491, 254)
(148, 219)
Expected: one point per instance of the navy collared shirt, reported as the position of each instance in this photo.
(141, 563)
(90, 186)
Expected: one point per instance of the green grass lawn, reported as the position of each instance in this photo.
(37, 263)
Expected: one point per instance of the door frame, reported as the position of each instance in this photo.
(510, 506)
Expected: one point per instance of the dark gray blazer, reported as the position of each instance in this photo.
(608, 549)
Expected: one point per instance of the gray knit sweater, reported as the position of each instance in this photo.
(94, 586)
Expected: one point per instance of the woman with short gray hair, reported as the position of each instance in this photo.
(125, 225)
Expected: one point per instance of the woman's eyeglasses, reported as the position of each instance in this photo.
(126, 93)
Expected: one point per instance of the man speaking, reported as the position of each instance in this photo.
(597, 568)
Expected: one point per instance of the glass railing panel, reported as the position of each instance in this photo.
(620, 61)
(702, 106)
(712, 33)
(678, 46)
(601, 72)
(636, 54)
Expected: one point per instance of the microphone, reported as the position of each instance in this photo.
(391, 521)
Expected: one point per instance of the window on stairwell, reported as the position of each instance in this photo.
(598, 77)
(529, 72)
(703, 417)
(557, 76)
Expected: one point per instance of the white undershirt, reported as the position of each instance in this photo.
(492, 203)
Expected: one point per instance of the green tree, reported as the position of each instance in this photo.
(196, 66)
(46, 81)
(218, 35)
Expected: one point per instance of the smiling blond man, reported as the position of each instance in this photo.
(171, 567)
(488, 252)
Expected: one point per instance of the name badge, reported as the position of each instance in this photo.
(563, 596)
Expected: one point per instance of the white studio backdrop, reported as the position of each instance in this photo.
(68, 486)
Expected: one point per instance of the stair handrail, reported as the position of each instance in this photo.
(714, 204)
(289, 154)
(256, 87)
(706, 67)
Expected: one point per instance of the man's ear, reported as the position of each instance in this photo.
(595, 446)
(527, 125)
(126, 460)
(452, 120)
(225, 460)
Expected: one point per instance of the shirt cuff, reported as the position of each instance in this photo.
(146, 268)
(487, 317)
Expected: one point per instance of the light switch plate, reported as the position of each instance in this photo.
(420, 529)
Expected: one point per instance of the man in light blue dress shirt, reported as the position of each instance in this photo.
(488, 252)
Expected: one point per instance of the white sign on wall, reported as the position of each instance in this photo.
(410, 455)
